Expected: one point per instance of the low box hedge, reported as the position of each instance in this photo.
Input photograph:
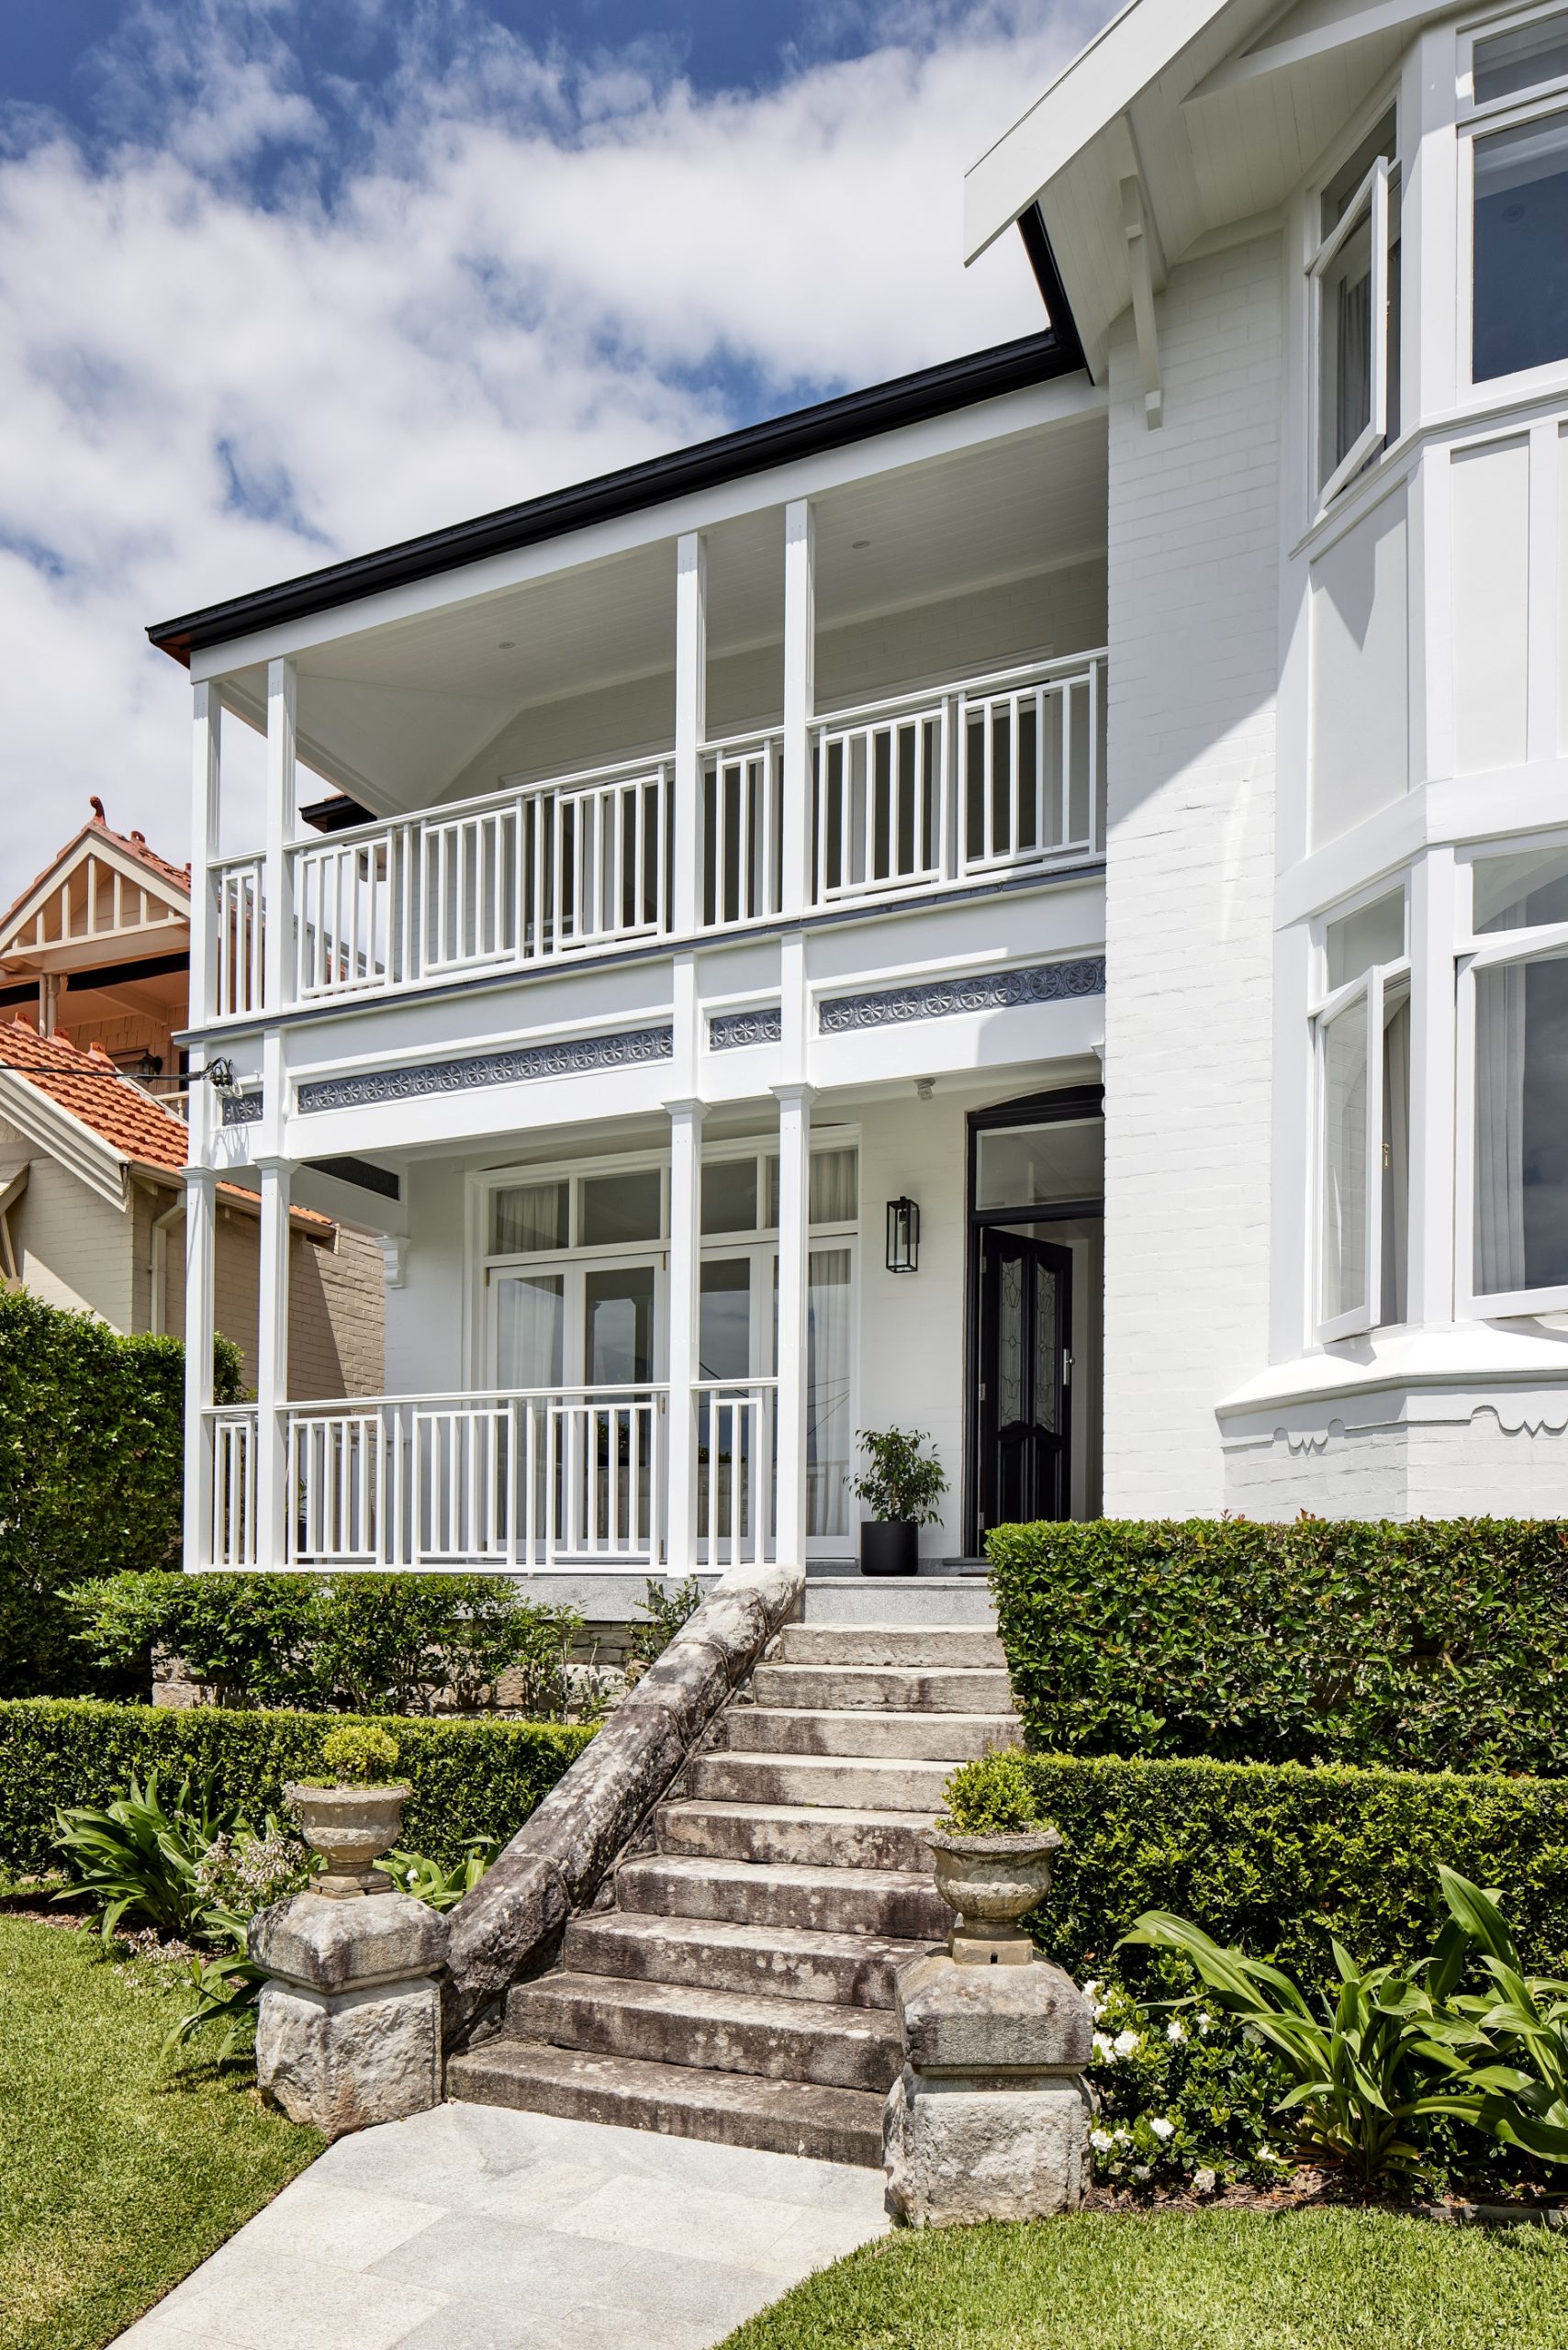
(1439, 1644)
(470, 1778)
(1277, 1857)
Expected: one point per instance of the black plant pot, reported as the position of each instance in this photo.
(890, 1547)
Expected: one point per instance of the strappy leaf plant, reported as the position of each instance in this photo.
(1524, 2018)
(138, 1858)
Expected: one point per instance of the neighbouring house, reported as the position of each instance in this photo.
(1027, 901)
(93, 1141)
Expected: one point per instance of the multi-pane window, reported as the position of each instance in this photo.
(1363, 1098)
(1514, 1011)
(1519, 197)
(1355, 311)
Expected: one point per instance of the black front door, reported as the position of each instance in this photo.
(1025, 1322)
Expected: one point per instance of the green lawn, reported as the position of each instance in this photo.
(1217, 2281)
(117, 2173)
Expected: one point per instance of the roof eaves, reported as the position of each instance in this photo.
(79, 1148)
(831, 424)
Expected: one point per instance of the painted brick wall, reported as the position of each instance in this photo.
(337, 1304)
(1461, 1468)
(1193, 629)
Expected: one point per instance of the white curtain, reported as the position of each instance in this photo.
(1395, 1164)
(1500, 1129)
(530, 1328)
(827, 1389)
(530, 1217)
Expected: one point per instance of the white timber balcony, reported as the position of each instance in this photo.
(964, 785)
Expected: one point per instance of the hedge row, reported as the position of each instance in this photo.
(470, 1778)
(1435, 1645)
(1278, 1857)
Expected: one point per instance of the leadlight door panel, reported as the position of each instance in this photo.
(1026, 1325)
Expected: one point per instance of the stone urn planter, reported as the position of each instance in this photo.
(353, 1827)
(991, 1882)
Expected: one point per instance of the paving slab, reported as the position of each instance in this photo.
(476, 2228)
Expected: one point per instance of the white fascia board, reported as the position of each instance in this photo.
(1100, 84)
(76, 1147)
(1061, 400)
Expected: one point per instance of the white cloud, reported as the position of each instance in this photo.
(261, 324)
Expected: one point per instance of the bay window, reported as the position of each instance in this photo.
(1364, 1097)
(1514, 1043)
(1518, 124)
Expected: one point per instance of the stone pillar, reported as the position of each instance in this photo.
(350, 2026)
(990, 2117)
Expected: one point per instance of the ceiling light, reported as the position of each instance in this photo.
(859, 543)
(507, 644)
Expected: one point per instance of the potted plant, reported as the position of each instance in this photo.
(899, 1485)
(992, 1855)
(355, 1816)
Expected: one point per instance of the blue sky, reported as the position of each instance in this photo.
(281, 280)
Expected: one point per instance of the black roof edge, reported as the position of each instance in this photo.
(1048, 277)
(831, 424)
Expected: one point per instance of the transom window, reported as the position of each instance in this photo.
(1354, 278)
(1363, 1035)
(1515, 87)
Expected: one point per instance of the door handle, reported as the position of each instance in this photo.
(1067, 1366)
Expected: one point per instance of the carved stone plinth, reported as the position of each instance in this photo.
(349, 2032)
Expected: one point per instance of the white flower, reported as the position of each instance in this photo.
(1123, 2137)
(1091, 1991)
(1205, 2022)
(1101, 2050)
(1175, 2031)
(1140, 2170)
(1102, 2141)
(1163, 2128)
(1126, 2043)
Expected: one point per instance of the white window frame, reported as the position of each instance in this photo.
(1371, 196)
(1509, 113)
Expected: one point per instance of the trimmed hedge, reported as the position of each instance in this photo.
(91, 1447)
(470, 1778)
(1437, 1645)
(1277, 1857)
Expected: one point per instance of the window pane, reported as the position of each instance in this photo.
(729, 1195)
(618, 1312)
(529, 1326)
(1521, 892)
(1345, 182)
(620, 1207)
(1517, 60)
(528, 1216)
(1395, 1155)
(1022, 1166)
(827, 1391)
(1345, 1162)
(1521, 248)
(723, 1320)
(1344, 358)
(1373, 933)
(1521, 1127)
(835, 1187)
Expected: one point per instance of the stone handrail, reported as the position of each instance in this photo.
(510, 1926)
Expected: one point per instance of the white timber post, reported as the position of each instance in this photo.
(685, 1257)
(201, 1252)
(272, 1367)
(205, 945)
(278, 933)
(690, 725)
(800, 659)
(794, 1189)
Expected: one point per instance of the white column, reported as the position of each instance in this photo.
(799, 658)
(272, 1365)
(201, 1232)
(691, 724)
(685, 1257)
(207, 751)
(794, 1166)
(281, 702)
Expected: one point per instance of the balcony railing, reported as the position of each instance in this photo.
(520, 1480)
(978, 780)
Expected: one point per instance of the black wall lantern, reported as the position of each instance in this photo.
(903, 1236)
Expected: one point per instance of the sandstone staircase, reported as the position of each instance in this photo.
(740, 1984)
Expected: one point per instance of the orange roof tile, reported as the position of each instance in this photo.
(92, 1088)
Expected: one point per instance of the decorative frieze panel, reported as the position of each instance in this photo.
(727, 1030)
(242, 1109)
(982, 991)
(570, 1057)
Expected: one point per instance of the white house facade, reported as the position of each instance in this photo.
(1030, 902)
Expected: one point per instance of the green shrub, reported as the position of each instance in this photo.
(664, 1611)
(1277, 1857)
(998, 1797)
(1437, 1645)
(470, 1778)
(91, 1446)
(358, 1754)
(356, 1643)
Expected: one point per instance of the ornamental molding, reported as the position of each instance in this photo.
(572, 1057)
(727, 1030)
(242, 1109)
(937, 998)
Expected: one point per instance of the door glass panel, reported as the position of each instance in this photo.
(618, 1326)
(531, 1323)
(729, 1195)
(1045, 1349)
(723, 1320)
(527, 1217)
(1022, 1167)
(827, 1390)
(612, 1208)
(1010, 1342)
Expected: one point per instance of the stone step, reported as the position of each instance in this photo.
(890, 1599)
(724, 2031)
(871, 1737)
(776, 1961)
(732, 2108)
(844, 1782)
(905, 1689)
(907, 1646)
(896, 1902)
(794, 1835)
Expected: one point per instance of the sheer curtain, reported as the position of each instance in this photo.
(1500, 1129)
(1396, 1165)
(827, 1390)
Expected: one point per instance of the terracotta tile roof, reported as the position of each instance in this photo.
(177, 877)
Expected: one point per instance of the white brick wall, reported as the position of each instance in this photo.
(1193, 627)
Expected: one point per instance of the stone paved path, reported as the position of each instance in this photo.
(471, 2228)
